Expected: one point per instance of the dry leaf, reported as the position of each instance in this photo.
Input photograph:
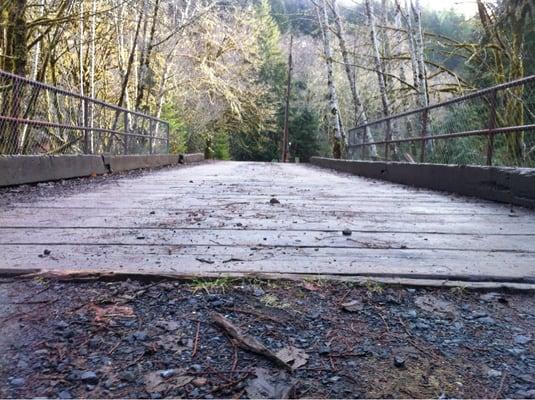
(293, 356)
(112, 311)
(266, 386)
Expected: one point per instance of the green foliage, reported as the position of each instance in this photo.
(221, 146)
(303, 132)
(177, 130)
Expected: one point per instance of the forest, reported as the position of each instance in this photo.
(221, 73)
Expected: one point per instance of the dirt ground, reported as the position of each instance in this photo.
(156, 339)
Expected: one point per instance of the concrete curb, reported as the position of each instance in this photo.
(505, 185)
(130, 162)
(18, 170)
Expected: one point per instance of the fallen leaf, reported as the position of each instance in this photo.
(266, 386)
(112, 311)
(293, 356)
(310, 286)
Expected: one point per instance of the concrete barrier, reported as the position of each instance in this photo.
(506, 185)
(17, 170)
(191, 158)
(130, 162)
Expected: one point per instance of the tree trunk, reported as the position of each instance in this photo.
(380, 72)
(338, 134)
(359, 113)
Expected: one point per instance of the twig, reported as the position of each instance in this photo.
(115, 346)
(500, 388)
(196, 343)
(247, 342)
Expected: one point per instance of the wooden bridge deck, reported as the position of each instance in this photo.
(217, 217)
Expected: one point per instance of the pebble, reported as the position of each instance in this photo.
(89, 377)
(167, 373)
(18, 381)
(522, 339)
(399, 361)
(492, 373)
(141, 336)
(65, 394)
(258, 292)
(347, 232)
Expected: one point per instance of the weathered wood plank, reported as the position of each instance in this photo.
(182, 259)
(256, 238)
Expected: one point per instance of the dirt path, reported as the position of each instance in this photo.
(133, 339)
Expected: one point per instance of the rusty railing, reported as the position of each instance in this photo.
(36, 118)
(493, 126)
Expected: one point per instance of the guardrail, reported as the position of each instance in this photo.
(496, 124)
(36, 118)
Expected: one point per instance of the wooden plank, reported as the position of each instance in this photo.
(178, 259)
(255, 238)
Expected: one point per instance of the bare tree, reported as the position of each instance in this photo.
(359, 113)
(334, 110)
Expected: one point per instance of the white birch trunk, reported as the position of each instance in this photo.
(359, 113)
(334, 110)
(92, 72)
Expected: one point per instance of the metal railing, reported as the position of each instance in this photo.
(36, 118)
(494, 126)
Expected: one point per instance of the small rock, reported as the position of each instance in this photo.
(274, 201)
(18, 381)
(196, 367)
(258, 292)
(62, 325)
(65, 394)
(399, 361)
(412, 313)
(347, 232)
(324, 349)
(141, 336)
(522, 339)
(334, 378)
(167, 373)
(492, 373)
(491, 296)
(525, 394)
(487, 320)
(89, 377)
(353, 306)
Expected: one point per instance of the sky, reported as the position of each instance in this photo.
(466, 7)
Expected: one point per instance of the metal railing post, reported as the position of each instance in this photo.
(86, 125)
(387, 139)
(363, 141)
(125, 138)
(167, 129)
(423, 143)
(151, 137)
(492, 97)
